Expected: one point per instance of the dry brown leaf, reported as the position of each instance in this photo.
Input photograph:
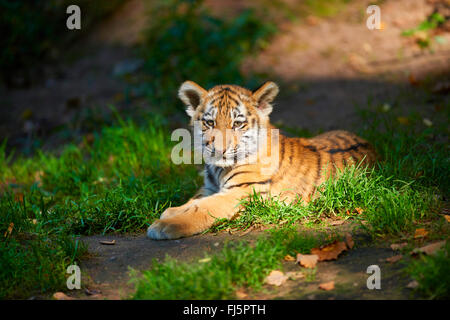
(349, 240)
(240, 294)
(403, 120)
(92, 292)
(9, 230)
(359, 210)
(327, 286)
(276, 278)
(447, 217)
(337, 222)
(307, 260)
(18, 197)
(420, 233)
(61, 296)
(331, 251)
(109, 243)
(429, 249)
(412, 80)
(394, 258)
(288, 258)
(398, 246)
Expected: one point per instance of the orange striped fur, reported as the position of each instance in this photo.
(301, 164)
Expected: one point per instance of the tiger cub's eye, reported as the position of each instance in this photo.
(237, 124)
(209, 123)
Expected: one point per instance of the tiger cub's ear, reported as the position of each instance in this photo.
(264, 95)
(192, 95)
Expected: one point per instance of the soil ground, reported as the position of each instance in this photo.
(329, 67)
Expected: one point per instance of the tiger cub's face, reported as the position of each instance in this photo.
(228, 118)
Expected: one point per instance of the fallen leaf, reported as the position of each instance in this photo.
(358, 63)
(327, 286)
(429, 249)
(394, 258)
(240, 294)
(420, 233)
(9, 230)
(359, 210)
(331, 251)
(204, 260)
(91, 292)
(413, 284)
(110, 243)
(18, 197)
(38, 175)
(295, 275)
(312, 20)
(398, 246)
(412, 80)
(403, 120)
(89, 138)
(276, 278)
(61, 296)
(307, 260)
(288, 258)
(447, 217)
(349, 240)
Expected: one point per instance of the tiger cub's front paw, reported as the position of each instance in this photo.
(165, 230)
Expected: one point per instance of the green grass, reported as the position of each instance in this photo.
(239, 264)
(433, 274)
(120, 182)
(425, 29)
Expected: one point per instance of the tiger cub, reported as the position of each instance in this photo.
(231, 121)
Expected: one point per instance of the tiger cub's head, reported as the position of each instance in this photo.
(228, 118)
